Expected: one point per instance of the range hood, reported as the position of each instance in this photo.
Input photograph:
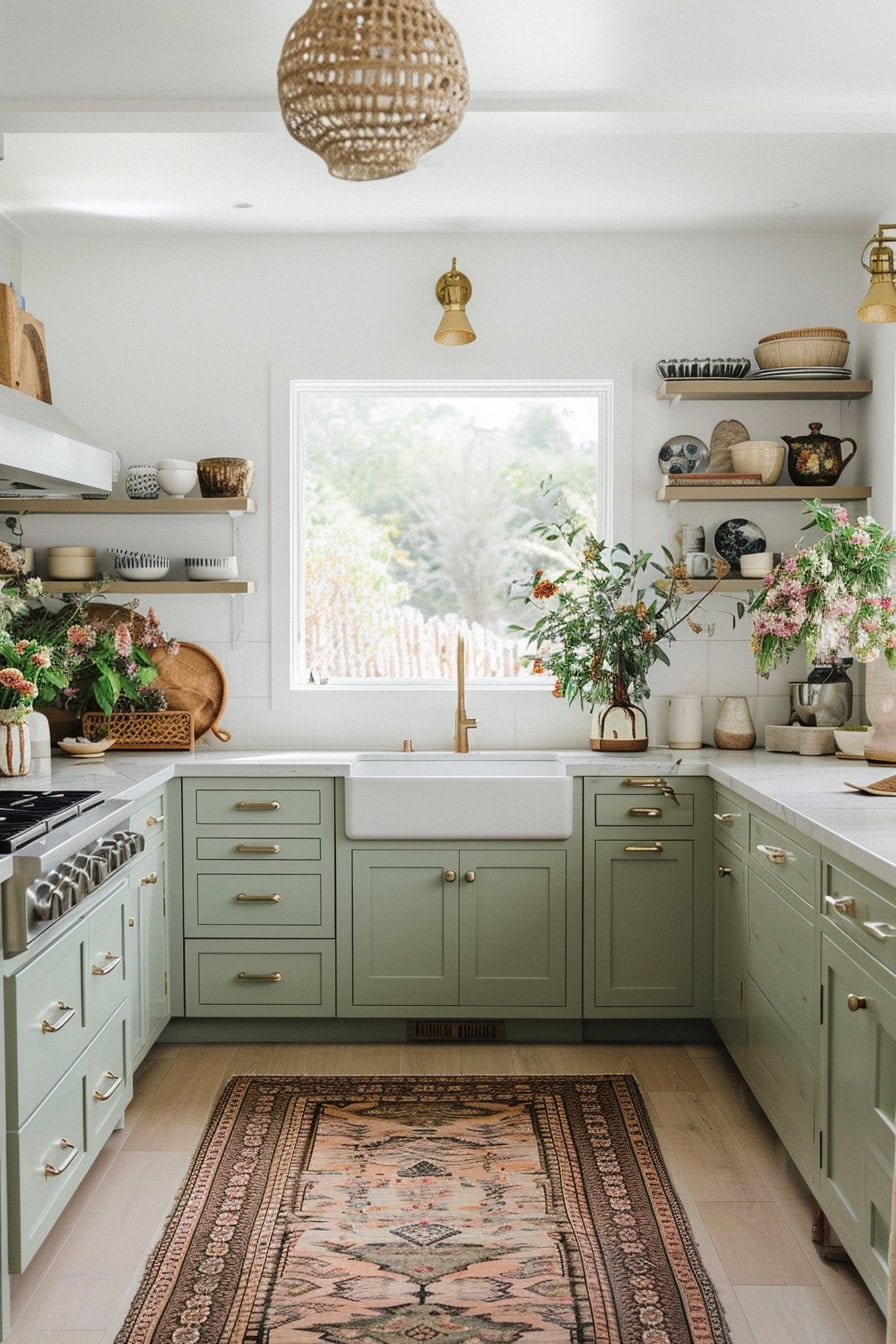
(43, 452)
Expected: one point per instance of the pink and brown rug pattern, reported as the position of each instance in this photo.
(468, 1210)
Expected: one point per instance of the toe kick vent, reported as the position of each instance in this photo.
(455, 1031)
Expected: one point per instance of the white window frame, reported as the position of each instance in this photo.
(613, 393)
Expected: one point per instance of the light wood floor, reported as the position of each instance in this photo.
(748, 1208)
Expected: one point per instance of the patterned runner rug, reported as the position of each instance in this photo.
(467, 1210)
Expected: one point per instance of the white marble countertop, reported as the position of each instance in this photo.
(807, 792)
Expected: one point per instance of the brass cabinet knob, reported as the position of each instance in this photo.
(450, 875)
(470, 876)
(723, 871)
(856, 1001)
(149, 880)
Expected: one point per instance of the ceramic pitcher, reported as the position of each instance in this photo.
(734, 729)
(816, 458)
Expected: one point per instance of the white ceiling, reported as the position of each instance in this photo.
(585, 114)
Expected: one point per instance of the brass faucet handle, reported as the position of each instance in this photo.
(407, 744)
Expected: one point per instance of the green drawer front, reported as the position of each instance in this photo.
(108, 1085)
(634, 808)
(866, 915)
(250, 849)
(778, 856)
(781, 956)
(781, 1075)
(149, 820)
(104, 966)
(290, 902)
(731, 821)
(46, 994)
(278, 803)
(233, 978)
(36, 1197)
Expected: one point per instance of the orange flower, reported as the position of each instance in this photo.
(537, 667)
(544, 588)
(557, 692)
(647, 636)
(640, 611)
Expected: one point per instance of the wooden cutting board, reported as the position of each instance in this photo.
(23, 355)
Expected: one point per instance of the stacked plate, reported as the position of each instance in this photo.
(810, 371)
(737, 366)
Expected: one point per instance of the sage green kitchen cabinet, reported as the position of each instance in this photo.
(647, 897)
(147, 946)
(857, 1112)
(259, 897)
(729, 955)
(780, 1054)
(478, 928)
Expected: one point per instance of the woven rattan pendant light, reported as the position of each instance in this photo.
(370, 85)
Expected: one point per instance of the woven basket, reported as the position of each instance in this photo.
(166, 730)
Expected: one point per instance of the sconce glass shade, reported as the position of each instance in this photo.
(879, 304)
(453, 291)
(371, 86)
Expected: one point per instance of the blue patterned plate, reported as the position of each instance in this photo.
(682, 454)
(737, 537)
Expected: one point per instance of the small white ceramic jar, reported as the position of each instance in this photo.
(142, 482)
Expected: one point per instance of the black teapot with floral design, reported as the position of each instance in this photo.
(816, 458)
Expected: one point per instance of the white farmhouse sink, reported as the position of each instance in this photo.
(448, 796)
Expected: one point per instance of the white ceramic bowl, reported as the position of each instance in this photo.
(178, 481)
(851, 741)
(756, 566)
(763, 455)
(174, 462)
(139, 568)
(212, 567)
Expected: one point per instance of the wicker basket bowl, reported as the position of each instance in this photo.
(802, 352)
(225, 476)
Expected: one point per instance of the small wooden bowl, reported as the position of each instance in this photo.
(224, 477)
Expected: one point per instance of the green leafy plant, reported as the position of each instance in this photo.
(603, 619)
(25, 668)
(834, 598)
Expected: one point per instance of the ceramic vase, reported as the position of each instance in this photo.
(620, 725)
(39, 732)
(141, 482)
(880, 708)
(734, 730)
(685, 722)
(15, 747)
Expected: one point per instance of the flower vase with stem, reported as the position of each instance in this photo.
(15, 743)
(618, 725)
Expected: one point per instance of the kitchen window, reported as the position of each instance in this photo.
(409, 510)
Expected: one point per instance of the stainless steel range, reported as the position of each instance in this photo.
(65, 845)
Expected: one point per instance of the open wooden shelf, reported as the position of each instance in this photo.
(73, 504)
(764, 389)
(668, 491)
(195, 587)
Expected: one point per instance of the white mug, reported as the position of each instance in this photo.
(698, 565)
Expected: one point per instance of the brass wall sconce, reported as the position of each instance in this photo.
(453, 291)
(879, 304)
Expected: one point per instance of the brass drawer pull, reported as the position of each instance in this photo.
(723, 871)
(655, 848)
(272, 806)
(110, 1091)
(258, 849)
(273, 899)
(470, 876)
(273, 976)
(149, 880)
(879, 928)
(844, 905)
(775, 854)
(50, 1170)
(856, 1001)
(726, 818)
(111, 962)
(653, 782)
(67, 1015)
(645, 811)
(155, 821)
(450, 875)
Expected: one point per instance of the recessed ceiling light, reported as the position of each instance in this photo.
(242, 205)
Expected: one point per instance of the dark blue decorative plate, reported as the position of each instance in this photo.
(737, 537)
(682, 454)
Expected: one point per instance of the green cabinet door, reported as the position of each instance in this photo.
(858, 1106)
(729, 948)
(513, 938)
(405, 927)
(147, 953)
(643, 922)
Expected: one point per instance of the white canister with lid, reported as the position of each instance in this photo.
(685, 722)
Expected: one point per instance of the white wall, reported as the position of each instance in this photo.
(163, 347)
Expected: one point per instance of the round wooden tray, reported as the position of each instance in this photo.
(192, 679)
